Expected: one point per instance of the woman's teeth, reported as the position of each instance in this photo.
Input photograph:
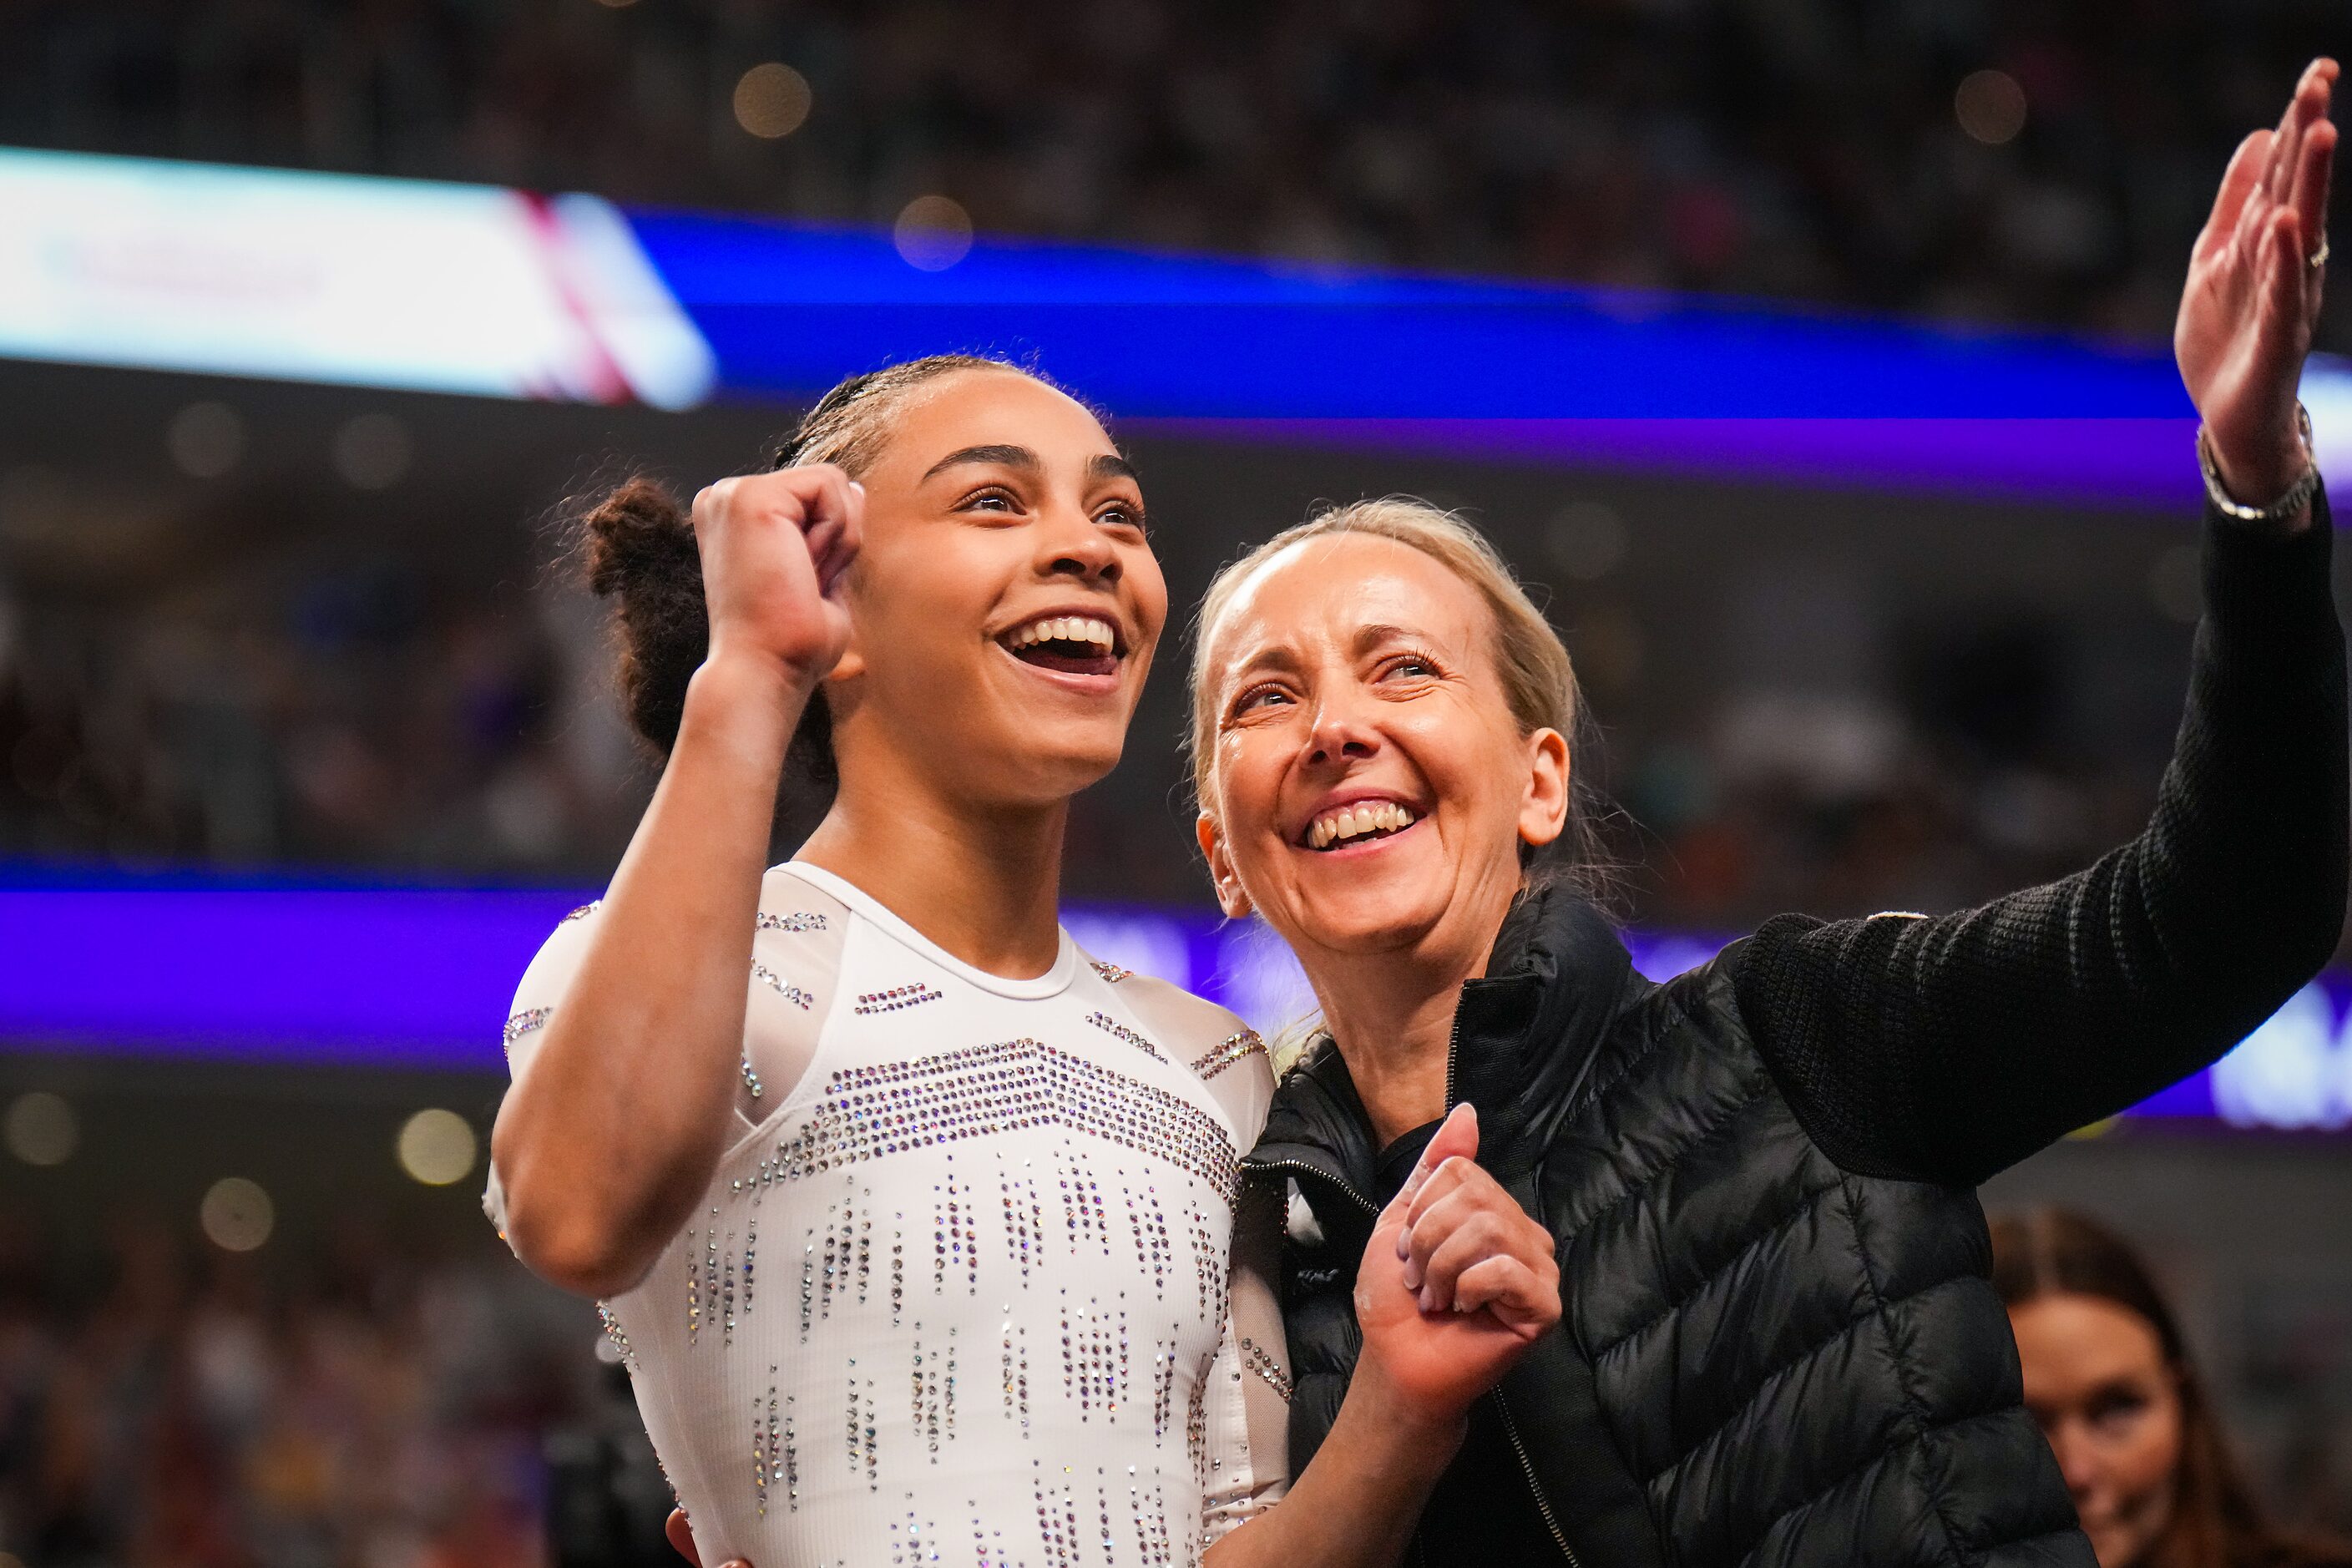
(1087, 629)
(1355, 821)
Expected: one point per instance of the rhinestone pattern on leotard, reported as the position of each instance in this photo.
(944, 1332)
(869, 1112)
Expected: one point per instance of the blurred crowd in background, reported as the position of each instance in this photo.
(1978, 160)
(388, 710)
(371, 1407)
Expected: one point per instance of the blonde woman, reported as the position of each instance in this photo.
(1780, 1345)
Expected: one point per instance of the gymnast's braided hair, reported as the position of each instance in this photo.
(640, 553)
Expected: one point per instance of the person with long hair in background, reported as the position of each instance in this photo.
(920, 1232)
(2110, 1379)
(1779, 1343)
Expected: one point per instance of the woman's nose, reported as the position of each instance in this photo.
(1071, 545)
(1339, 735)
(2078, 1458)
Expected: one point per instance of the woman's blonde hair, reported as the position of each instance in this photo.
(1539, 679)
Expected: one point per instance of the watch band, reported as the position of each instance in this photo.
(2288, 506)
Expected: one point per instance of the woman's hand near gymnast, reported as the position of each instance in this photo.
(2253, 301)
(605, 1142)
(1457, 1280)
(1455, 1285)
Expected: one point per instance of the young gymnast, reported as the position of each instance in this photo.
(920, 1232)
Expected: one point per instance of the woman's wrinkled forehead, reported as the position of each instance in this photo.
(1330, 592)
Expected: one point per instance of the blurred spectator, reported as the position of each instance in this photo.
(374, 1408)
(2108, 1375)
(1982, 160)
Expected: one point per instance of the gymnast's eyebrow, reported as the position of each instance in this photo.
(1111, 465)
(1005, 457)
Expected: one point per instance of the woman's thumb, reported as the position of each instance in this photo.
(1457, 1136)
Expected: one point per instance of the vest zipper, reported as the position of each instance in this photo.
(1453, 1054)
(1319, 1174)
(1543, 1506)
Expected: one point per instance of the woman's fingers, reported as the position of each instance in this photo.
(2238, 184)
(1472, 1220)
(681, 1536)
(2311, 207)
(1420, 1233)
(1457, 1137)
(842, 549)
(1480, 1234)
(1524, 1301)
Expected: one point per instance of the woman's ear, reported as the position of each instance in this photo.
(1230, 896)
(1543, 809)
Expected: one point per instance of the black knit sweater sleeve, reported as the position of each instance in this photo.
(1946, 1049)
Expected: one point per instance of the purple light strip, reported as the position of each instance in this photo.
(421, 978)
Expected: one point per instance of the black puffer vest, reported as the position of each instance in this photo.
(1763, 1359)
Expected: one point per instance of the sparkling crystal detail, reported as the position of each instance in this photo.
(895, 997)
(782, 987)
(613, 1332)
(1259, 1360)
(1117, 1030)
(869, 1112)
(1235, 1048)
(522, 1024)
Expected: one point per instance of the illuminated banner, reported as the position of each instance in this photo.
(421, 978)
(395, 283)
(467, 288)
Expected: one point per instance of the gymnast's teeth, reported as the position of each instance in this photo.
(1090, 630)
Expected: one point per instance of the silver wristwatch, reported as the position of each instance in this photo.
(2288, 506)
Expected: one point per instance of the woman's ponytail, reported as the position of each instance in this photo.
(641, 554)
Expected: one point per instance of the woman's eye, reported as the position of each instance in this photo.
(990, 500)
(1411, 665)
(1121, 516)
(1262, 697)
(2115, 1410)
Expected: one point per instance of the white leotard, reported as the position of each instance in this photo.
(964, 1289)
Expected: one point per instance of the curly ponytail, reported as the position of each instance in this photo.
(640, 553)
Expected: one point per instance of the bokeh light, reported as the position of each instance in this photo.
(933, 233)
(436, 1147)
(236, 1215)
(42, 1129)
(771, 100)
(1991, 107)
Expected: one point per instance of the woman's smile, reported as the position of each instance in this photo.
(1358, 824)
(1077, 649)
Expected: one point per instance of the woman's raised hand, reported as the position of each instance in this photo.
(1457, 1280)
(776, 549)
(2253, 301)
